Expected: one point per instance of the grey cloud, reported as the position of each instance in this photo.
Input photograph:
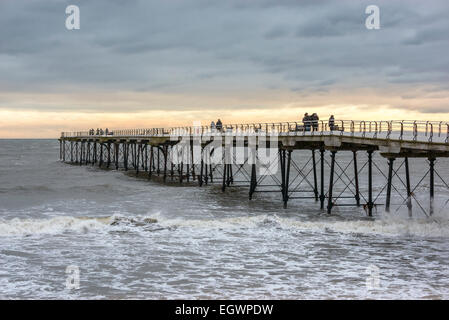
(201, 47)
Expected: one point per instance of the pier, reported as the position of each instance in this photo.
(263, 158)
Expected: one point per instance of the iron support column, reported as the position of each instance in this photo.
(331, 182)
(432, 182)
(370, 204)
(356, 179)
(390, 177)
(409, 193)
(315, 183)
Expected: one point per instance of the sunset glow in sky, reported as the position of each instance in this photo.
(142, 63)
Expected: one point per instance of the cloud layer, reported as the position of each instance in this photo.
(179, 55)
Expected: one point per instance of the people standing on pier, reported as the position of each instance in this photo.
(212, 126)
(107, 131)
(315, 119)
(219, 125)
(306, 122)
(331, 123)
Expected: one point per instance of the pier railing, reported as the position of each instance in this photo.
(431, 131)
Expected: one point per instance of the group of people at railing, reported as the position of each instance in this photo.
(100, 132)
(311, 123)
(216, 126)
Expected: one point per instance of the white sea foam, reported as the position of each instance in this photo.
(56, 225)
(385, 226)
(389, 226)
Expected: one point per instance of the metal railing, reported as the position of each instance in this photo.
(411, 130)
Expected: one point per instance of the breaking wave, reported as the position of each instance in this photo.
(389, 226)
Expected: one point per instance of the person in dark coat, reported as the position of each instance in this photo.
(219, 125)
(306, 122)
(331, 123)
(315, 119)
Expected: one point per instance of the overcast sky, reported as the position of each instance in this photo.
(169, 62)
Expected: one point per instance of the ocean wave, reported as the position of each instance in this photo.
(388, 226)
(58, 225)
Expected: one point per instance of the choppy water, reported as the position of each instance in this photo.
(132, 238)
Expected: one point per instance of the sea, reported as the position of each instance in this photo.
(80, 232)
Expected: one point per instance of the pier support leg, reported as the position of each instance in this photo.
(81, 153)
(356, 178)
(200, 179)
(172, 166)
(231, 177)
(145, 161)
(94, 158)
(370, 203)
(331, 183)
(192, 160)
(101, 155)
(431, 183)
(71, 151)
(407, 183)
(150, 169)
(322, 196)
(165, 162)
(109, 155)
(315, 182)
(180, 172)
(125, 155)
(287, 177)
(63, 152)
(223, 186)
(253, 183)
(158, 170)
(390, 177)
(116, 154)
(211, 174)
(137, 150)
(88, 153)
(282, 162)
